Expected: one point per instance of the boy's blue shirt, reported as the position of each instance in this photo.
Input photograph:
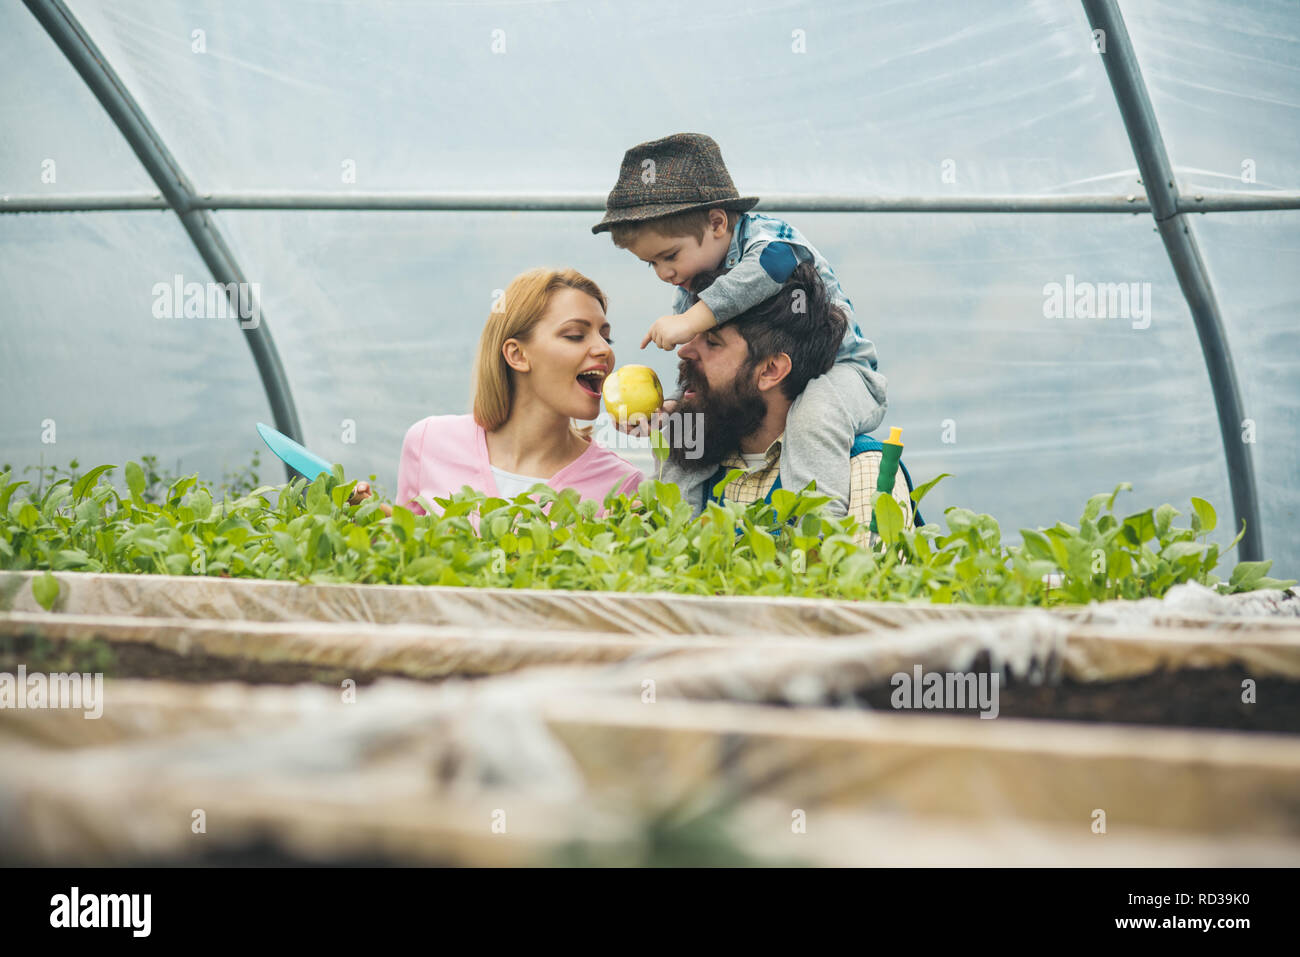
(763, 253)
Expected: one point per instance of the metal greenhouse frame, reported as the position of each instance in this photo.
(1168, 208)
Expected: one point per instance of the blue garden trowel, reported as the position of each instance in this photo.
(292, 454)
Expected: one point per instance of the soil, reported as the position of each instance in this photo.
(1190, 698)
(129, 660)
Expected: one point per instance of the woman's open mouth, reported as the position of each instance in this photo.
(591, 381)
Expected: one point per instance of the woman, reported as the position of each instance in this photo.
(542, 359)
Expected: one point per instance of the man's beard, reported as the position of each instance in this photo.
(728, 415)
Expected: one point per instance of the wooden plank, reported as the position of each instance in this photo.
(960, 769)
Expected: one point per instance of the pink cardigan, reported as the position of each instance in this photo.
(444, 452)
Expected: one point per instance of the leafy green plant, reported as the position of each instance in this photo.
(48, 474)
(46, 590)
(1138, 555)
(157, 478)
(307, 532)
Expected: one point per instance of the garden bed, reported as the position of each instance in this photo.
(119, 660)
(417, 774)
(521, 610)
(1189, 698)
(315, 650)
(1047, 669)
(634, 614)
(943, 768)
(561, 734)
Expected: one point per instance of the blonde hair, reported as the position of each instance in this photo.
(694, 222)
(515, 316)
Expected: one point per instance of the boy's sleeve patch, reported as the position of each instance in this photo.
(778, 261)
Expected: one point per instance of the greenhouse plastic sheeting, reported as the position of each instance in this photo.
(1073, 645)
(1222, 80)
(398, 775)
(420, 774)
(1245, 254)
(524, 611)
(580, 764)
(58, 139)
(940, 767)
(431, 97)
(363, 648)
(639, 614)
(90, 375)
(377, 314)
(1032, 647)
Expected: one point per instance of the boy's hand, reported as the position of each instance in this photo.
(668, 332)
(362, 492)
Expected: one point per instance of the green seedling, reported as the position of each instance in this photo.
(306, 532)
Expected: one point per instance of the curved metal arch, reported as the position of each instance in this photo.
(1184, 253)
(1123, 72)
(67, 33)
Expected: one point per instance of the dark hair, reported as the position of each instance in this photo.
(799, 320)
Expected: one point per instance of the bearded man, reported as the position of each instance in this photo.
(740, 379)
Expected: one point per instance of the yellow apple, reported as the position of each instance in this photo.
(632, 392)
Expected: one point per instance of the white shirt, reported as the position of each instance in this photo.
(754, 460)
(509, 484)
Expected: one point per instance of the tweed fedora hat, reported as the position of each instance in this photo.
(672, 175)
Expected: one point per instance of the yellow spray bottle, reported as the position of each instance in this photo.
(890, 454)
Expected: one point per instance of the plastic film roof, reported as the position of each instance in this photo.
(376, 315)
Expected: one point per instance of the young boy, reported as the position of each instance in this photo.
(675, 207)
